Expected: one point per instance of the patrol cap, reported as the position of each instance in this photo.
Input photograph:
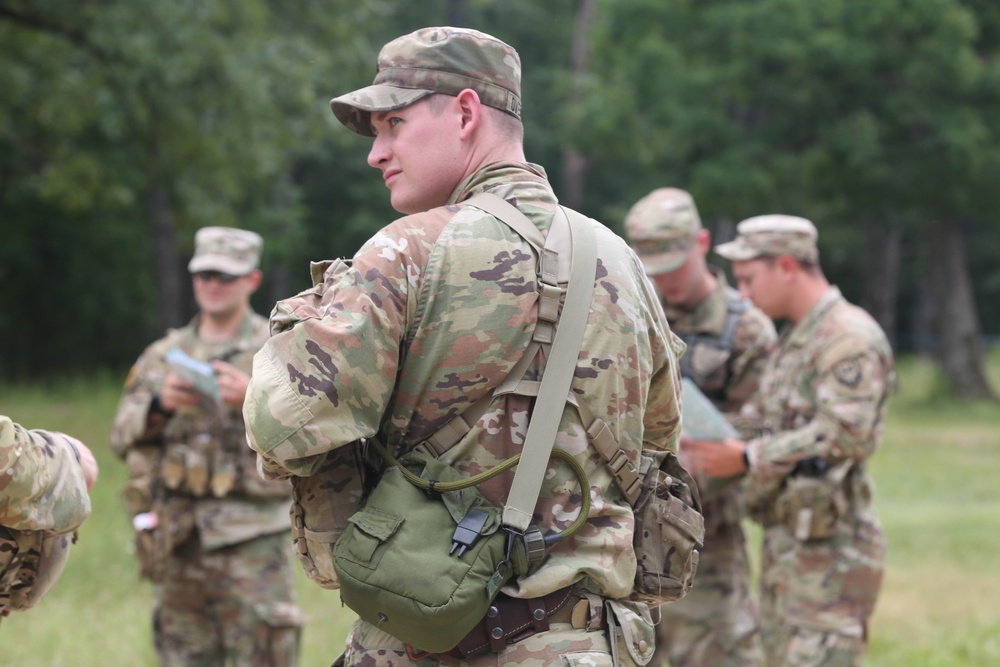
(662, 227)
(435, 60)
(771, 236)
(225, 249)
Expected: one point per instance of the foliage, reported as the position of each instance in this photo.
(859, 116)
(214, 102)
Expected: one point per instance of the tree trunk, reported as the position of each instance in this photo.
(883, 247)
(166, 272)
(574, 163)
(923, 320)
(959, 349)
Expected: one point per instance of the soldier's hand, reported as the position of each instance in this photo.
(176, 392)
(232, 383)
(87, 461)
(713, 458)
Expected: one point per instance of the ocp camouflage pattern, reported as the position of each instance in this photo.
(227, 592)
(433, 313)
(824, 395)
(716, 624)
(41, 481)
(209, 433)
(443, 60)
(43, 497)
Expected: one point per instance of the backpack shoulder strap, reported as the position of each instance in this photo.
(551, 271)
(557, 377)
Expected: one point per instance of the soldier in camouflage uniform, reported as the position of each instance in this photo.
(727, 345)
(210, 533)
(434, 312)
(44, 497)
(818, 417)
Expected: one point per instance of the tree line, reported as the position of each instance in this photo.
(126, 126)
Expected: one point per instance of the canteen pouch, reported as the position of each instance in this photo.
(401, 568)
(142, 463)
(322, 505)
(669, 530)
(810, 506)
(631, 633)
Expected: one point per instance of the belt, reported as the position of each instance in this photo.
(510, 620)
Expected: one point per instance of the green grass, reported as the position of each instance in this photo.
(938, 496)
(99, 612)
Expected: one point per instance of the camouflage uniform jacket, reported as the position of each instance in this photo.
(435, 310)
(823, 395)
(728, 376)
(42, 493)
(205, 437)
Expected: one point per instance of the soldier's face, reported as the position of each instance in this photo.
(216, 298)
(761, 281)
(686, 286)
(420, 153)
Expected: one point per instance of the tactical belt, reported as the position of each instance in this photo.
(510, 620)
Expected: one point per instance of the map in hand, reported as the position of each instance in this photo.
(198, 373)
(700, 419)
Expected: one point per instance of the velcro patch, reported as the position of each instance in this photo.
(848, 372)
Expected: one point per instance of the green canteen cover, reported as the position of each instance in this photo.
(394, 565)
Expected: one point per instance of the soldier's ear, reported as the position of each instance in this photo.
(255, 278)
(471, 109)
(788, 265)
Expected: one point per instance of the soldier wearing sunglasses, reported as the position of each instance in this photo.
(208, 530)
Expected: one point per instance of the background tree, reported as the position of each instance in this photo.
(123, 128)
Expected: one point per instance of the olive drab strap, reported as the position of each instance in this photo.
(558, 375)
(735, 307)
(568, 253)
(600, 436)
(556, 244)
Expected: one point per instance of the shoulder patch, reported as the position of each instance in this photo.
(848, 372)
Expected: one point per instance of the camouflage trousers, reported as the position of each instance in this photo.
(228, 607)
(817, 596)
(562, 644)
(715, 624)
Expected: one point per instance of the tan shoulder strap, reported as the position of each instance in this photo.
(559, 244)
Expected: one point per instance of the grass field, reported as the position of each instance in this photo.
(938, 477)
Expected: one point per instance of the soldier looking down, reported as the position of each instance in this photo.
(728, 341)
(812, 426)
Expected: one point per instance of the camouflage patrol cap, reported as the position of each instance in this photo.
(662, 227)
(771, 236)
(435, 60)
(226, 249)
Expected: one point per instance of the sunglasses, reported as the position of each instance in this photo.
(224, 278)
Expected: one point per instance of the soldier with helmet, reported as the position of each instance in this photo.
(728, 341)
(209, 531)
(816, 420)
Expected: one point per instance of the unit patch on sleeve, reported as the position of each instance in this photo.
(848, 372)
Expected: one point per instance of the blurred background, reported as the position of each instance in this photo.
(125, 126)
